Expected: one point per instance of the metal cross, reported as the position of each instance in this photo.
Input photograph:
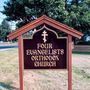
(44, 34)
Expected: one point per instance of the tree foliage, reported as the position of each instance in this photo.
(79, 15)
(4, 30)
(75, 13)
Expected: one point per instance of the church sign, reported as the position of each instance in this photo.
(45, 50)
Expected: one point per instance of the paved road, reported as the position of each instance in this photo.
(8, 45)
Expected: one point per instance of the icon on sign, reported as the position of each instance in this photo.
(44, 34)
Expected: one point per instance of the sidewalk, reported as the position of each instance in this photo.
(8, 44)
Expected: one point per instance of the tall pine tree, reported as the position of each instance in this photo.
(25, 11)
(75, 13)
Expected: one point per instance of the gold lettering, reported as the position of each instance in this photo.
(45, 58)
(27, 52)
(45, 52)
(62, 51)
(45, 64)
(44, 46)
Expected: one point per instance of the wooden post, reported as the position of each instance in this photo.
(69, 62)
(20, 49)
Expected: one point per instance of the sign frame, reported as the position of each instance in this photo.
(57, 37)
(52, 69)
(69, 62)
(48, 21)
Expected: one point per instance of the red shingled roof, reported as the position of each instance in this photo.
(45, 20)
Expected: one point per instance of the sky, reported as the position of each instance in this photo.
(2, 16)
(1, 8)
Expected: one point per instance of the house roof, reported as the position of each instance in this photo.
(45, 20)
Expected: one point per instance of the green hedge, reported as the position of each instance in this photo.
(83, 43)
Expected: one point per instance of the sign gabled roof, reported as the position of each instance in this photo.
(45, 20)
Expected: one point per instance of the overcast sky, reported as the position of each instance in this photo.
(1, 8)
(12, 24)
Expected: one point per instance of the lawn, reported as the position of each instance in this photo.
(43, 79)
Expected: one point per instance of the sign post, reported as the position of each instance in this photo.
(45, 50)
(69, 62)
(20, 62)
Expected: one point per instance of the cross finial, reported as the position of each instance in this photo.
(44, 34)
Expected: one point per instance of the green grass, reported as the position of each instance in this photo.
(9, 73)
(8, 69)
(85, 53)
(81, 73)
(6, 86)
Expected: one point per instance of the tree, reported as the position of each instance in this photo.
(25, 11)
(75, 13)
(79, 15)
(4, 30)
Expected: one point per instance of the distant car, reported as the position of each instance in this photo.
(1, 41)
(86, 38)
